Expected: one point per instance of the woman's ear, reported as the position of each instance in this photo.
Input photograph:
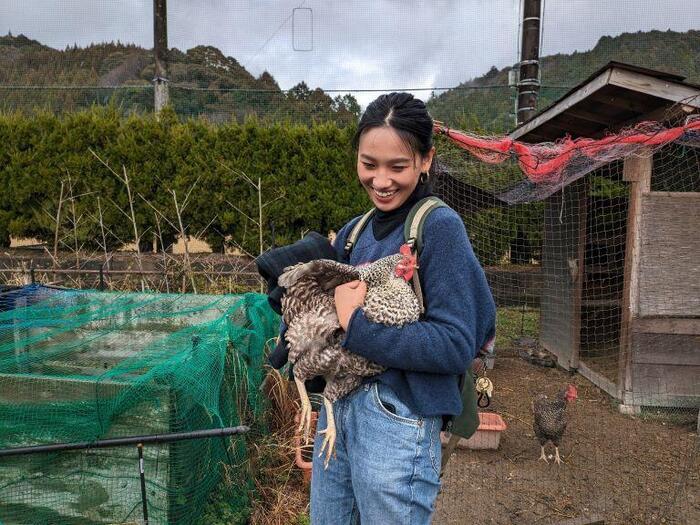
(427, 161)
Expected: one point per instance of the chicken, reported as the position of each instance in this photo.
(550, 419)
(314, 333)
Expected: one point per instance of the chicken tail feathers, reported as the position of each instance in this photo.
(292, 274)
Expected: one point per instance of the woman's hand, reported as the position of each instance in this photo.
(348, 297)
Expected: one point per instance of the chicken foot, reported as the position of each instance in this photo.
(330, 433)
(305, 418)
(557, 459)
(305, 422)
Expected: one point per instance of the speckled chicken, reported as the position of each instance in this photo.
(314, 333)
(550, 419)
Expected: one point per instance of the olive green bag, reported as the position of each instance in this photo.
(464, 425)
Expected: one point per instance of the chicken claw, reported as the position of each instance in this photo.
(330, 434)
(557, 459)
(542, 456)
(305, 417)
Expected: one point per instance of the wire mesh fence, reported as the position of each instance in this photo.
(594, 279)
(82, 366)
(592, 273)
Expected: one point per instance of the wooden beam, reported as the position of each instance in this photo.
(658, 400)
(571, 125)
(616, 101)
(28, 388)
(675, 92)
(580, 270)
(636, 170)
(599, 380)
(590, 116)
(667, 325)
(564, 104)
(666, 114)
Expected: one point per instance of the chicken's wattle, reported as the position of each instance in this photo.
(407, 264)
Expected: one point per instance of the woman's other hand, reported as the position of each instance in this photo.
(348, 297)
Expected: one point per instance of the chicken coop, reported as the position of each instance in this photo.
(620, 296)
(78, 366)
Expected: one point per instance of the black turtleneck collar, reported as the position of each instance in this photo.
(384, 222)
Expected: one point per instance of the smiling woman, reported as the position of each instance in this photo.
(387, 167)
(387, 450)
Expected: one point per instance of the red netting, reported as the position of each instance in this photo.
(550, 166)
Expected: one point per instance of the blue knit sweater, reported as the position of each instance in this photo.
(424, 359)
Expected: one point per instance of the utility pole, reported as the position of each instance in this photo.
(529, 77)
(160, 52)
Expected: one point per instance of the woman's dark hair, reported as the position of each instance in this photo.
(406, 114)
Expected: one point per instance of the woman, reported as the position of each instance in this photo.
(386, 469)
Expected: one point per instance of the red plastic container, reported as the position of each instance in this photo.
(487, 435)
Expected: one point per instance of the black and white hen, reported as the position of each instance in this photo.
(314, 333)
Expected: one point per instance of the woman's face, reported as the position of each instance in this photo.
(387, 167)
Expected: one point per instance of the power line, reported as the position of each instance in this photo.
(276, 31)
(185, 87)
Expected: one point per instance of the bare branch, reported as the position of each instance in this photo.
(119, 208)
(242, 213)
(107, 166)
(159, 212)
(239, 173)
(183, 234)
(189, 192)
(199, 235)
(58, 222)
(274, 200)
(102, 227)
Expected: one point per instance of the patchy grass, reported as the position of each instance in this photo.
(514, 322)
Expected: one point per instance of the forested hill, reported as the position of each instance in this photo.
(234, 90)
(206, 82)
(476, 104)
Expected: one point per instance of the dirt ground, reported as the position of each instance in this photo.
(626, 469)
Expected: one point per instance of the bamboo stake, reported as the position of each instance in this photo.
(58, 222)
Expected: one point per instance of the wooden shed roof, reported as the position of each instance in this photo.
(616, 96)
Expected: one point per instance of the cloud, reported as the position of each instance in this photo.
(363, 44)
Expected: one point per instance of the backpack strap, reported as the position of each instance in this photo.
(413, 227)
(356, 231)
(413, 235)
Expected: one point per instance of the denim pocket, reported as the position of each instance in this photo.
(392, 407)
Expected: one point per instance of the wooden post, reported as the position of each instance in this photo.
(160, 53)
(529, 81)
(637, 171)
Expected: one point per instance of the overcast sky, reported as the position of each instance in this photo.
(354, 44)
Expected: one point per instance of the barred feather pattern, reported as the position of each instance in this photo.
(313, 331)
(550, 419)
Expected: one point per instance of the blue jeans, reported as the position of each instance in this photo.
(387, 468)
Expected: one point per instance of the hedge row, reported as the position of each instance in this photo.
(312, 168)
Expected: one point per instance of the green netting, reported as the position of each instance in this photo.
(80, 365)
